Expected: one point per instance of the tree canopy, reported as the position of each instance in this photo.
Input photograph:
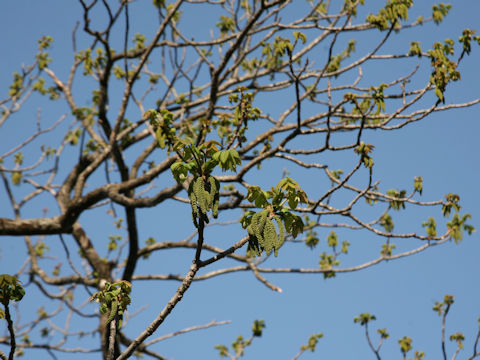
(184, 142)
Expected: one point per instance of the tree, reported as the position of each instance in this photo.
(171, 131)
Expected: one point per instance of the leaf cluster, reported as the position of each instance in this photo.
(10, 289)
(387, 249)
(430, 226)
(312, 342)
(114, 299)
(466, 39)
(274, 53)
(439, 11)
(240, 343)
(260, 226)
(162, 122)
(231, 126)
(226, 25)
(405, 345)
(394, 11)
(43, 57)
(418, 184)
(442, 307)
(52, 91)
(204, 196)
(398, 201)
(458, 224)
(364, 318)
(364, 150)
(257, 327)
(444, 69)
(311, 237)
(387, 223)
(415, 49)
(17, 85)
(329, 261)
(263, 233)
(336, 61)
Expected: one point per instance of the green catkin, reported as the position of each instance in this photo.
(263, 219)
(269, 236)
(213, 191)
(201, 194)
(204, 196)
(215, 206)
(213, 195)
(263, 232)
(113, 311)
(253, 249)
(281, 234)
(258, 223)
(194, 219)
(193, 203)
(253, 227)
(250, 230)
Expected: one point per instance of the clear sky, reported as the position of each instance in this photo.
(443, 149)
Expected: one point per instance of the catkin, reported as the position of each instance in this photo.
(214, 195)
(204, 196)
(281, 234)
(263, 233)
(257, 225)
(113, 310)
(269, 236)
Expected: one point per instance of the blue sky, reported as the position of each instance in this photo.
(442, 149)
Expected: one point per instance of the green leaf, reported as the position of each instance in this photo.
(451, 202)
(294, 193)
(10, 289)
(396, 203)
(466, 38)
(457, 225)
(415, 49)
(363, 150)
(159, 3)
(301, 36)
(44, 42)
(312, 342)
(393, 12)
(226, 24)
(312, 240)
(440, 11)
(405, 345)
(293, 223)
(115, 297)
(332, 239)
(387, 223)
(364, 318)
(179, 171)
(16, 177)
(222, 350)
(418, 184)
(387, 249)
(257, 327)
(430, 226)
(257, 196)
(139, 41)
(17, 86)
(459, 338)
(383, 333)
(227, 159)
